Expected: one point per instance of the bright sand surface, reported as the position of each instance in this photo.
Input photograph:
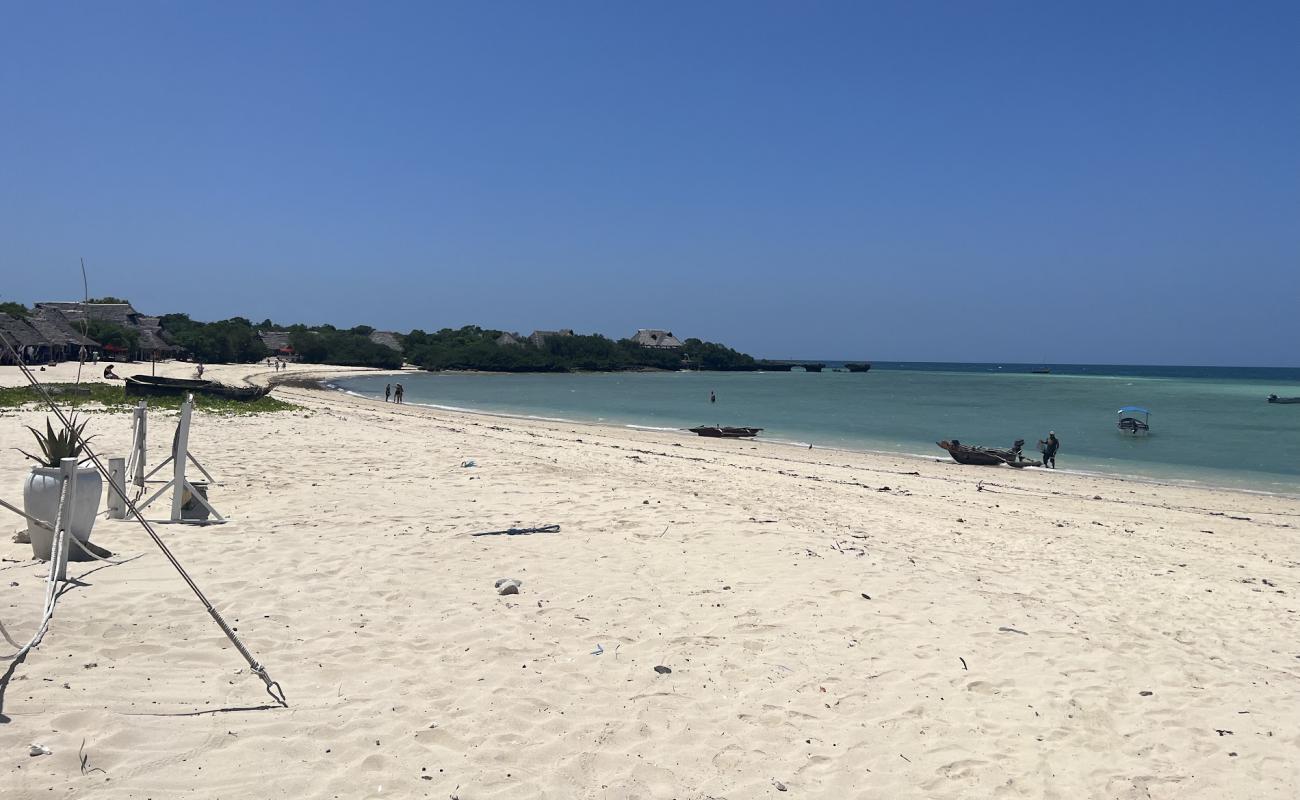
(848, 625)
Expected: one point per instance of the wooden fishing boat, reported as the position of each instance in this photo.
(721, 432)
(154, 386)
(987, 456)
(1272, 398)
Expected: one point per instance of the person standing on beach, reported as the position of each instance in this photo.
(388, 391)
(1049, 450)
(200, 370)
(397, 393)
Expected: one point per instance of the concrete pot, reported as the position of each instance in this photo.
(41, 500)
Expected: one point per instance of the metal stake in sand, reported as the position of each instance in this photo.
(179, 484)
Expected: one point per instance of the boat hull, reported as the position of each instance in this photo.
(985, 456)
(720, 432)
(152, 386)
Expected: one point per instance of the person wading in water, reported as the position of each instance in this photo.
(1049, 450)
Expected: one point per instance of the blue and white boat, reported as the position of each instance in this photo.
(1134, 420)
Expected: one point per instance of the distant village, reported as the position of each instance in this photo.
(63, 331)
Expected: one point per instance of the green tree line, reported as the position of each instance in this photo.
(475, 348)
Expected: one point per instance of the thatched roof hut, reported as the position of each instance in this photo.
(276, 341)
(19, 335)
(117, 313)
(653, 337)
(538, 338)
(71, 315)
(510, 339)
(55, 330)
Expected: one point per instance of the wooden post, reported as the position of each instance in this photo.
(117, 477)
(140, 426)
(178, 460)
(63, 526)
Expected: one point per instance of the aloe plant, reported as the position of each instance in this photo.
(56, 446)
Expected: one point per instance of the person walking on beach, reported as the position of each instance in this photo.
(200, 370)
(388, 391)
(1049, 450)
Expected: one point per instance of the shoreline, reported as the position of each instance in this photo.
(1173, 482)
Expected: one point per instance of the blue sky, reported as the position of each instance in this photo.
(1101, 182)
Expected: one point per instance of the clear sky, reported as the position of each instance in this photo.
(981, 181)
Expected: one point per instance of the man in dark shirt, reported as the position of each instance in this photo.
(1049, 450)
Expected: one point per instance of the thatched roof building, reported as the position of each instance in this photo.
(117, 313)
(22, 337)
(151, 336)
(538, 338)
(276, 341)
(653, 337)
(56, 330)
(149, 329)
(510, 339)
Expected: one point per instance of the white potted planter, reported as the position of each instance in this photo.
(41, 495)
(42, 492)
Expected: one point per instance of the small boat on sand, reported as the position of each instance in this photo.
(988, 456)
(720, 432)
(154, 386)
(1272, 398)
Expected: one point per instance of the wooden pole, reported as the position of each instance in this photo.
(117, 474)
(141, 430)
(179, 459)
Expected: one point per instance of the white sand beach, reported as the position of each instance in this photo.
(836, 624)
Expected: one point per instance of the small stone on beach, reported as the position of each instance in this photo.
(662, 670)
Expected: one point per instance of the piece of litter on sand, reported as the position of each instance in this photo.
(521, 531)
(780, 787)
(662, 670)
(39, 750)
(1005, 629)
(508, 586)
(599, 649)
(470, 463)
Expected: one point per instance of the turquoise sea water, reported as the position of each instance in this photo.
(1208, 425)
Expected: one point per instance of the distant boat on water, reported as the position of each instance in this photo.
(1041, 371)
(1272, 398)
(1134, 420)
(862, 366)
